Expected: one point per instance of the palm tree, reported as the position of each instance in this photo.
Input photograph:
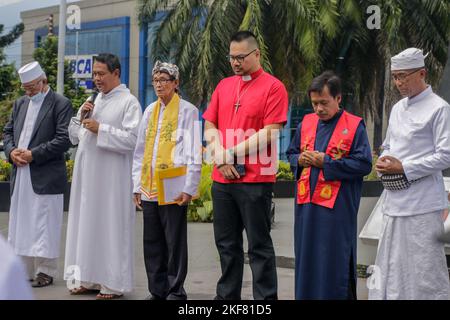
(9, 82)
(196, 33)
(404, 23)
(7, 70)
(301, 38)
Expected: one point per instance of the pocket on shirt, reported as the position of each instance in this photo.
(418, 130)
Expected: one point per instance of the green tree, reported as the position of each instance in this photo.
(7, 71)
(365, 54)
(196, 33)
(9, 82)
(47, 56)
(299, 39)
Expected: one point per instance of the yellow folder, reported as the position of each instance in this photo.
(170, 183)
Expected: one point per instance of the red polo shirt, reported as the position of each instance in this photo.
(263, 101)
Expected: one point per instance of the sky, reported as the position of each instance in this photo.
(10, 16)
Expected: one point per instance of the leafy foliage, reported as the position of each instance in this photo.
(201, 209)
(299, 39)
(284, 171)
(69, 166)
(372, 176)
(5, 170)
(6, 167)
(47, 56)
(9, 81)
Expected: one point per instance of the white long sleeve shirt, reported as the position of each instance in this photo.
(187, 149)
(419, 136)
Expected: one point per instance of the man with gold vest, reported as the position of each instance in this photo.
(330, 155)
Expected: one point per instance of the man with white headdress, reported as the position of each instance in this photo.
(100, 230)
(169, 137)
(411, 262)
(35, 140)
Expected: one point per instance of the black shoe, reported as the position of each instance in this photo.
(42, 280)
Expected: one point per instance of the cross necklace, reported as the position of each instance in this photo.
(239, 95)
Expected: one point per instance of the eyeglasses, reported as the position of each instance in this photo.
(239, 58)
(30, 87)
(402, 77)
(161, 81)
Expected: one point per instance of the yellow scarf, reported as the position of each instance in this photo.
(166, 145)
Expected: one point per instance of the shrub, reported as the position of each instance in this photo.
(69, 166)
(372, 176)
(284, 171)
(5, 170)
(201, 209)
(6, 167)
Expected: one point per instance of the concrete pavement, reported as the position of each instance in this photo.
(204, 264)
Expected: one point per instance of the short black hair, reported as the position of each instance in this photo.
(111, 60)
(244, 35)
(329, 79)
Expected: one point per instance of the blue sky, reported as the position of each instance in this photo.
(10, 16)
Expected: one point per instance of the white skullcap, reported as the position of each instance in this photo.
(411, 58)
(30, 72)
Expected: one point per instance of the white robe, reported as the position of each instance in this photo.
(13, 279)
(419, 136)
(35, 219)
(100, 230)
(410, 262)
(410, 259)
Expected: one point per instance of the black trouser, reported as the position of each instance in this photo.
(238, 207)
(165, 249)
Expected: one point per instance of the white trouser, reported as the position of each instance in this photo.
(37, 265)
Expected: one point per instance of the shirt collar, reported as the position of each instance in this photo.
(253, 75)
(113, 91)
(420, 96)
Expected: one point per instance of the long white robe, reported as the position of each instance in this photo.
(13, 279)
(410, 259)
(410, 262)
(100, 229)
(35, 219)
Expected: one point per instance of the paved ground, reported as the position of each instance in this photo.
(204, 266)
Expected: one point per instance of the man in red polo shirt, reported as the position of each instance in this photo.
(245, 114)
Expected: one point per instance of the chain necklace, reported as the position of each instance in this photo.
(239, 95)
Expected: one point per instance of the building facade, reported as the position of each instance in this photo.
(112, 26)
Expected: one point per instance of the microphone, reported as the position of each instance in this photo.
(92, 100)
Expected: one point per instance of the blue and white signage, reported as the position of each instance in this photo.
(81, 66)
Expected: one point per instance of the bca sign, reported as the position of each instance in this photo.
(81, 66)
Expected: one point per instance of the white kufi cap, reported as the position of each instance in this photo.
(30, 72)
(411, 58)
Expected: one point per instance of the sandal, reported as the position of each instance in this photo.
(107, 296)
(42, 280)
(82, 290)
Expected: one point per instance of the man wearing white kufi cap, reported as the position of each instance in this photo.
(35, 140)
(411, 262)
